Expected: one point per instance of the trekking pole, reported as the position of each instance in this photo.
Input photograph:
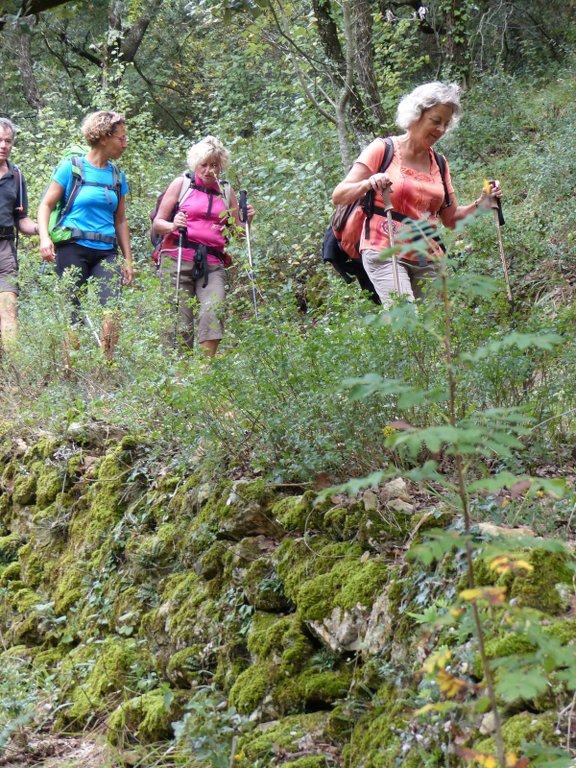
(388, 209)
(499, 222)
(93, 329)
(181, 231)
(244, 219)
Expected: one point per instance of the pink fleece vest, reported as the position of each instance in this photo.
(207, 217)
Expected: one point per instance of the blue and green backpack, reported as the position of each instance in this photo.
(61, 234)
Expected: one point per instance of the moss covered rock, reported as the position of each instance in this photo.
(264, 587)
(540, 589)
(147, 718)
(376, 740)
(107, 670)
(50, 483)
(248, 511)
(524, 727)
(9, 546)
(274, 742)
(24, 489)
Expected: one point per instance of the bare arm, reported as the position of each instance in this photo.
(27, 226)
(358, 181)
(123, 235)
(454, 213)
(163, 223)
(54, 193)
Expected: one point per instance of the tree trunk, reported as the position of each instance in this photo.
(328, 33)
(23, 49)
(364, 59)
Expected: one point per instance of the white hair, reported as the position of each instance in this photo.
(8, 125)
(424, 97)
(208, 148)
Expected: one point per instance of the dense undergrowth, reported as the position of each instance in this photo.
(273, 402)
(146, 583)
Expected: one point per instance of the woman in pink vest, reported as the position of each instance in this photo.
(196, 217)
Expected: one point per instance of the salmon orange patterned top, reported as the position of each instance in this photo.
(415, 194)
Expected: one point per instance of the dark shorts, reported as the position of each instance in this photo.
(103, 266)
(8, 267)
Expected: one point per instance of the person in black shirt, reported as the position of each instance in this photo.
(13, 217)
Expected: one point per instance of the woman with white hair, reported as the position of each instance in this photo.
(417, 192)
(195, 217)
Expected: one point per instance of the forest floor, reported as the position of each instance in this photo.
(58, 752)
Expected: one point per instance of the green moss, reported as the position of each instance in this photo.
(32, 564)
(316, 597)
(539, 588)
(10, 573)
(23, 619)
(563, 630)
(280, 738)
(364, 583)
(264, 587)
(343, 522)
(283, 639)
(145, 719)
(155, 550)
(300, 560)
(50, 658)
(307, 762)
(50, 483)
(187, 594)
(376, 740)
(255, 490)
(298, 513)
(350, 582)
(315, 690)
(44, 448)
(9, 546)
(69, 586)
(211, 563)
(104, 502)
(188, 666)
(116, 664)
(24, 491)
(510, 644)
(524, 727)
(250, 688)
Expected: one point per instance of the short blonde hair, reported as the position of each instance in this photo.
(208, 148)
(425, 97)
(97, 125)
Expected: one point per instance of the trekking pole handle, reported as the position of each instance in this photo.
(501, 221)
(243, 206)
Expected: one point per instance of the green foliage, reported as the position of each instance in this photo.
(208, 730)
(25, 696)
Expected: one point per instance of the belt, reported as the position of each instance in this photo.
(206, 248)
(6, 233)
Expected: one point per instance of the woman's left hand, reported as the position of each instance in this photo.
(250, 213)
(127, 272)
(488, 199)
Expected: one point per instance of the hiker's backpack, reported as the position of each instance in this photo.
(61, 234)
(187, 186)
(19, 206)
(341, 246)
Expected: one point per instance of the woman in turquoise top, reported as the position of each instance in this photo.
(95, 223)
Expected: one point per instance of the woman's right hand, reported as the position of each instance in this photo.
(179, 222)
(47, 250)
(380, 181)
